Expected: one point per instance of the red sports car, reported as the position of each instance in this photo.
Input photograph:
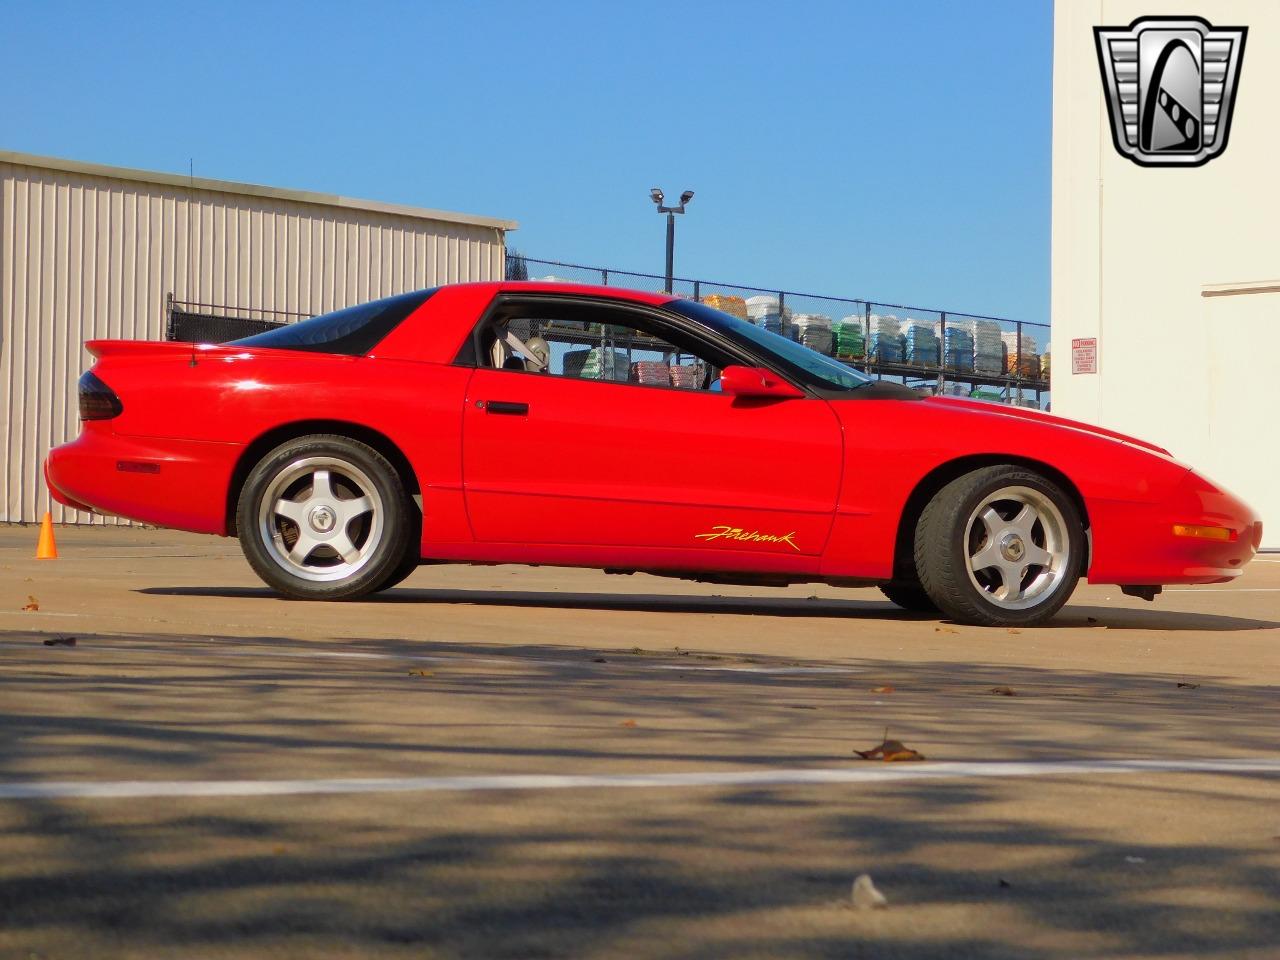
(597, 427)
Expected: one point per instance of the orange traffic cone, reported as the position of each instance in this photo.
(46, 549)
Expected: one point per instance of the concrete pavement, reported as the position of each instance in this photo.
(186, 670)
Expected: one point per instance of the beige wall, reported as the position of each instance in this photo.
(1176, 272)
(88, 255)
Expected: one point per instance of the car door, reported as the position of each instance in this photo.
(602, 449)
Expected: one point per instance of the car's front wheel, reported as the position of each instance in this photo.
(1001, 546)
(324, 517)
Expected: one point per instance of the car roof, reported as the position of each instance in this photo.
(576, 289)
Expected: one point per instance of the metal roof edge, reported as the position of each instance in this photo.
(251, 189)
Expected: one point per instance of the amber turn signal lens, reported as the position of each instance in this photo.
(1203, 533)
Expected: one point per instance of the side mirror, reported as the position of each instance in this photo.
(756, 383)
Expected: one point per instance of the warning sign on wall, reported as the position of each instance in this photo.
(1084, 355)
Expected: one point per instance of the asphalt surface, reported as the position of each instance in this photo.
(511, 762)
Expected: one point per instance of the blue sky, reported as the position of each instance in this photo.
(894, 151)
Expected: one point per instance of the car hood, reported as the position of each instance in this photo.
(997, 413)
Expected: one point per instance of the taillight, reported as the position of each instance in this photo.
(97, 400)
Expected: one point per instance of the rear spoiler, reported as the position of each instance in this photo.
(161, 348)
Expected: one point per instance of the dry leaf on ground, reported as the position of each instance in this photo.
(627, 723)
(32, 603)
(421, 673)
(890, 751)
(887, 688)
(1003, 691)
(865, 896)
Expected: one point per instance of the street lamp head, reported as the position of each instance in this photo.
(656, 195)
(686, 197)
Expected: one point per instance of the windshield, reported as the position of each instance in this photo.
(807, 365)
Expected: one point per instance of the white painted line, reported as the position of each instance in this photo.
(869, 773)
(31, 614)
(620, 659)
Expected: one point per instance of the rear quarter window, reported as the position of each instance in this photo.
(352, 331)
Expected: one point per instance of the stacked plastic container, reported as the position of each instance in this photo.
(765, 311)
(920, 343)
(988, 348)
(1020, 354)
(651, 373)
(813, 330)
(886, 338)
(596, 364)
(957, 346)
(687, 376)
(850, 336)
(728, 303)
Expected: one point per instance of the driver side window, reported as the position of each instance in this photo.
(587, 341)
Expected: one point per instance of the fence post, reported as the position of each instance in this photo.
(942, 352)
(697, 290)
(866, 342)
(1017, 363)
(604, 278)
(168, 315)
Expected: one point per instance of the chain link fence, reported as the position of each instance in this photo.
(937, 351)
(187, 321)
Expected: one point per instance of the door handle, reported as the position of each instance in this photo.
(506, 407)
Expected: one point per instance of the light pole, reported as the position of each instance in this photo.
(656, 196)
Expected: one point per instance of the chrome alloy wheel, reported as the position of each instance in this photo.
(321, 518)
(1017, 550)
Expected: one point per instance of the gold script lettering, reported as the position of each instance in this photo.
(726, 532)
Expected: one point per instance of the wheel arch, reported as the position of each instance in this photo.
(941, 475)
(277, 435)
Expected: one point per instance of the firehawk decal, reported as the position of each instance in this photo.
(726, 532)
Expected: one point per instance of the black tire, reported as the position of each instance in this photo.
(909, 596)
(347, 550)
(951, 531)
(409, 563)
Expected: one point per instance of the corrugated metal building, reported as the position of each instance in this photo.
(89, 251)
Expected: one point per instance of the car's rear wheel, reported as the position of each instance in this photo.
(909, 596)
(1001, 546)
(324, 518)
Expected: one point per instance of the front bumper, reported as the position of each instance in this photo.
(1134, 543)
(169, 483)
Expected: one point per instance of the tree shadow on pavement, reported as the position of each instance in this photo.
(1117, 866)
(1070, 617)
